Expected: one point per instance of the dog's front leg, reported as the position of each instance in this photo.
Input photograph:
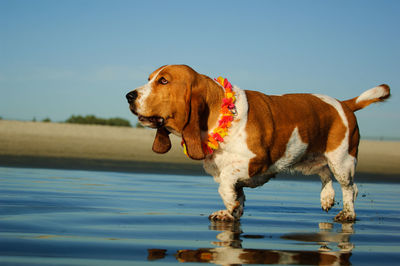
(233, 196)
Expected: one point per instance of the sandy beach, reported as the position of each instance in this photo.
(71, 146)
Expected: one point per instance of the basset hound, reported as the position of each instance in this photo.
(246, 137)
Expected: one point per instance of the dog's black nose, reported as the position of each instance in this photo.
(131, 97)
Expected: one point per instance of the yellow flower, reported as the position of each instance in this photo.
(221, 80)
(212, 145)
(184, 149)
(221, 131)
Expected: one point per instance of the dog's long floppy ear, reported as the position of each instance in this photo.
(162, 143)
(191, 133)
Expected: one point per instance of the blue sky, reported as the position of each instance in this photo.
(59, 58)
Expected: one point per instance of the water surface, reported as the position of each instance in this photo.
(70, 217)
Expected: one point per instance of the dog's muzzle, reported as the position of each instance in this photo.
(150, 121)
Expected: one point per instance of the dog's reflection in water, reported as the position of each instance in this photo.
(229, 249)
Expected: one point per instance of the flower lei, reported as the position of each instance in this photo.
(227, 112)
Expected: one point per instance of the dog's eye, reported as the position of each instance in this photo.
(163, 81)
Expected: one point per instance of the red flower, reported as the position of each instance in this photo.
(228, 102)
(227, 84)
(207, 149)
(218, 137)
(225, 121)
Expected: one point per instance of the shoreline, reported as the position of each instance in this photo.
(168, 168)
(101, 165)
(104, 148)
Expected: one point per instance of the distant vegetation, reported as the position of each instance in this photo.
(93, 120)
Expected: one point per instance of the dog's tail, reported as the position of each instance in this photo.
(377, 94)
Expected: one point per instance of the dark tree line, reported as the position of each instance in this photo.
(93, 120)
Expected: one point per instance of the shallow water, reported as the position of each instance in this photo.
(68, 217)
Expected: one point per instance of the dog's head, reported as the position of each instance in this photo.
(174, 100)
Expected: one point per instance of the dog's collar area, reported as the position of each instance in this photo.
(227, 113)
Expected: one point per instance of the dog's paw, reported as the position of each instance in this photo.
(327, 203)
(327, 198)
(222, 215)
(345, 217)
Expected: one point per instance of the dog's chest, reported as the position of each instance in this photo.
(232, 157)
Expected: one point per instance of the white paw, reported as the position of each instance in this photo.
(327, 198)
(222, 215)
(327, 203)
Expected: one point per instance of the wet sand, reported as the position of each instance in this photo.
(90, 147)
(69, 217)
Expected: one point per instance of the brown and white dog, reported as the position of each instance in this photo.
(309, 133)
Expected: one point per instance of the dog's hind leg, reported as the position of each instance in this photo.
(343, 171)
(327, 191)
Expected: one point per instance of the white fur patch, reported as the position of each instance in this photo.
(144, 92)
(295, 149)
(371, 94)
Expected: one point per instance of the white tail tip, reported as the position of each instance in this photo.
(379, 92)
